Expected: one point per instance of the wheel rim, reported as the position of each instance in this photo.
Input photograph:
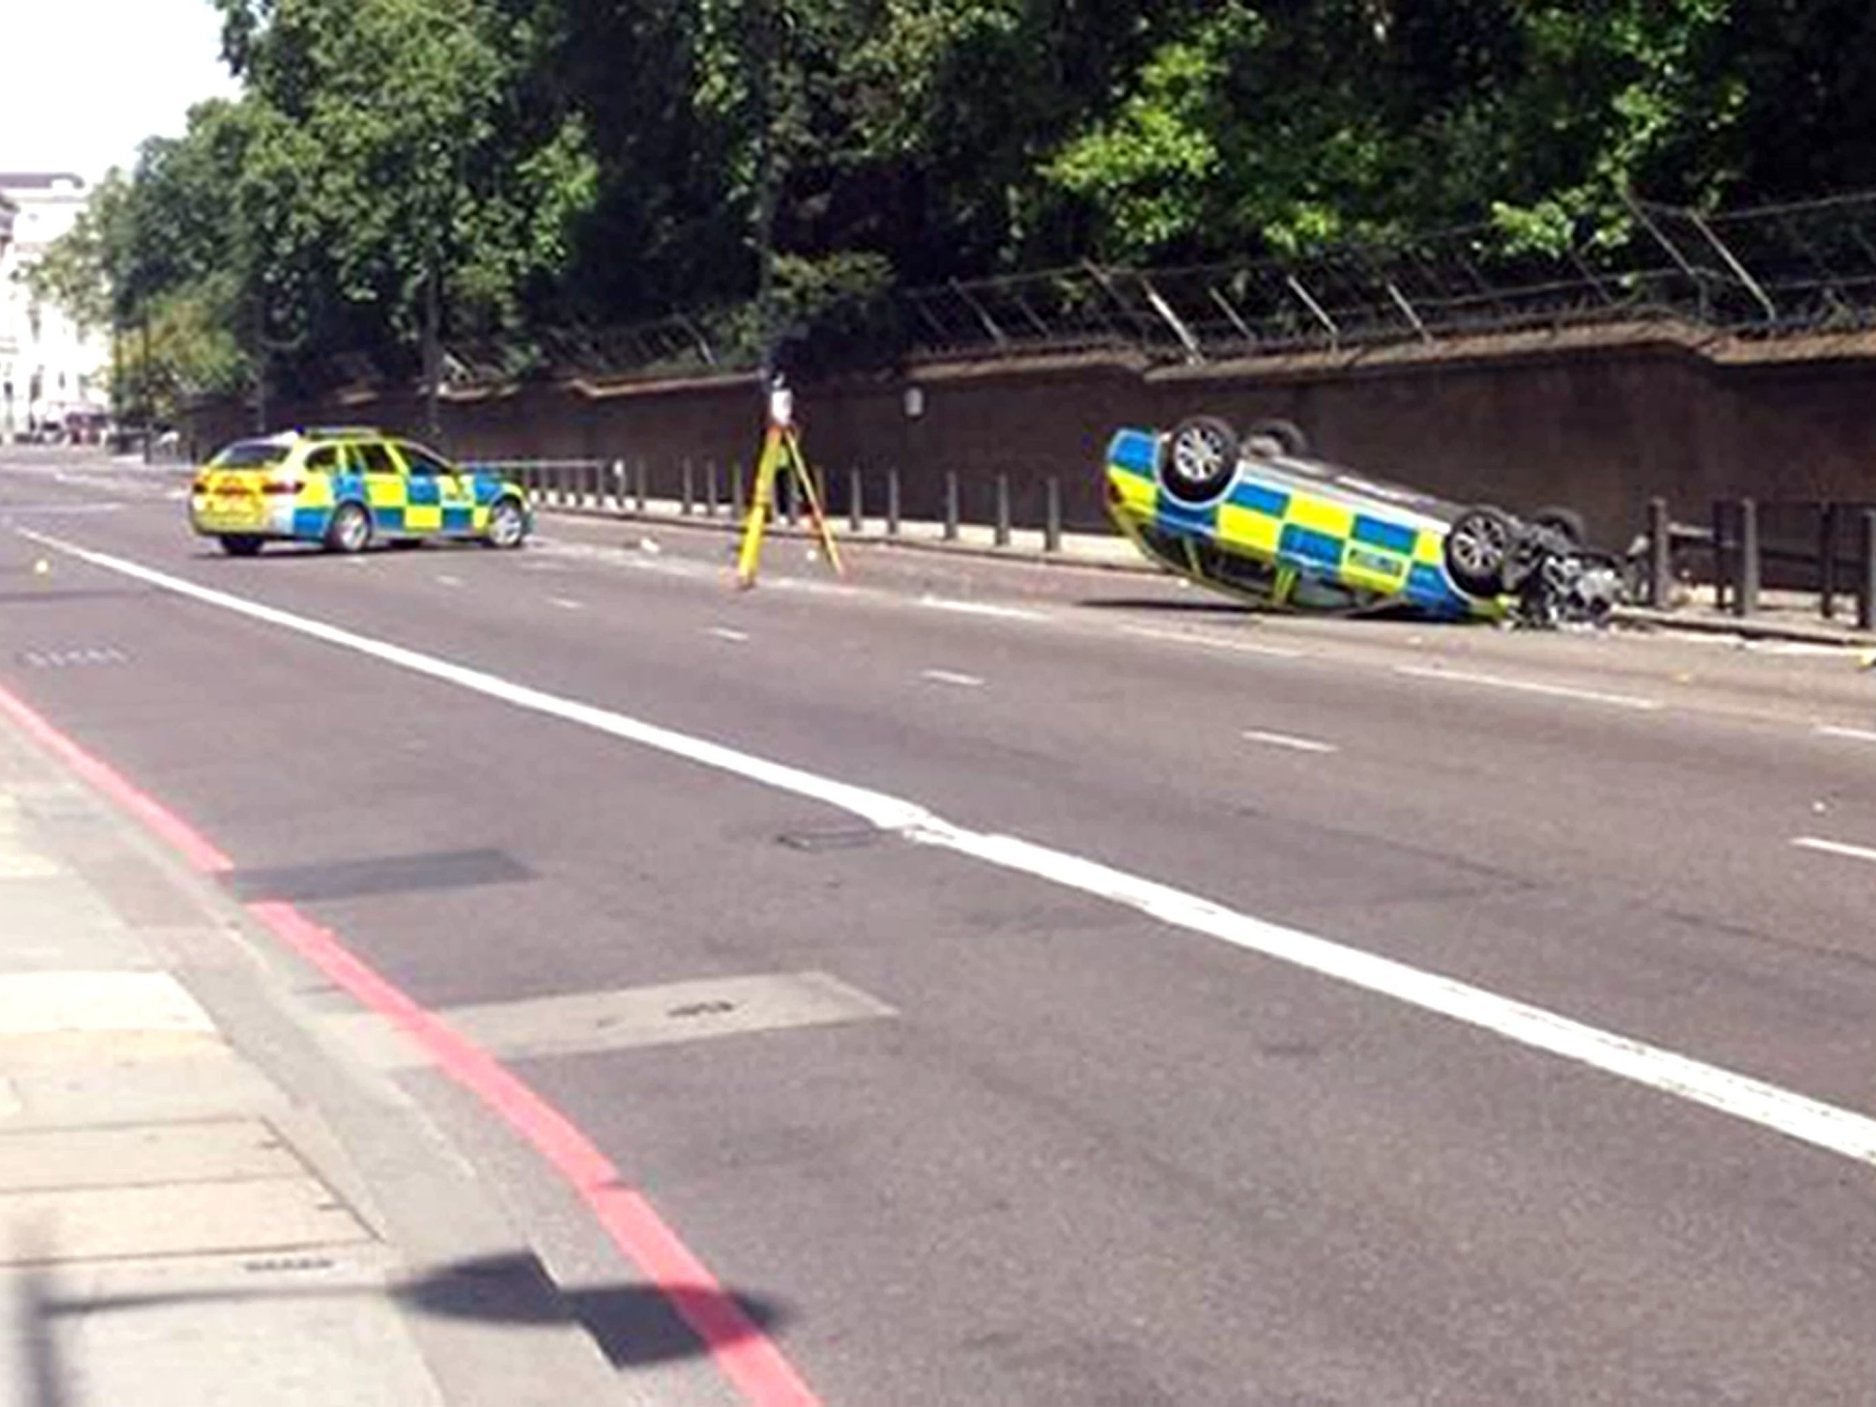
(1478, 545)
(352, 529)
(505, 525)
(1197, 457)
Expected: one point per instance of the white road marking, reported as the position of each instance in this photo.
(723, 632)
(1257, 735)
(444, 579)
(1860, 735)
(948, 676)
(1834, 847)
(1527, 686)
(566, 603)
(1210, 642)
(1827, 1126)
(980, 608)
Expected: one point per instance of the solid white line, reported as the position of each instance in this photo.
(566, 603)
(1527, 686)
(1797, 1116)
(1860, 735)
(1245, 647)
(979, 608)
(1834, 847)
(723, 632)
(946, 676)
(1257, 735)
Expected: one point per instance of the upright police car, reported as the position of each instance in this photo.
(346, 488)
(1260, 518)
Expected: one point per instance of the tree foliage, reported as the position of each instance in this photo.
(591, 161)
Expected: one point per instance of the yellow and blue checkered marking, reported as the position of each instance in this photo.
(1314, 534)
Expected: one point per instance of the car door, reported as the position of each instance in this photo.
(386, 487)
(442, 498)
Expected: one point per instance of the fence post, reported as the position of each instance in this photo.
(951, 505)
(892, 502)
(687, 490)
(1003, 510)
(856, 506)
(1827, 561)
(1659, 584)
(1052, 515)
(640, 485)
(710, 488)
(1746, 599)
(1866, 598)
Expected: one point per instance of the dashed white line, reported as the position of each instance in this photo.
(1835, 847)
(445, 579)
(980, 608)
(1828, 1126)
(1295, 744)
(1528, 686)
(723, 632)
(566, 603)
(1211, 642)
(1860, 735)
(951, 676)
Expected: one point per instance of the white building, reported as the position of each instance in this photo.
(50, 370)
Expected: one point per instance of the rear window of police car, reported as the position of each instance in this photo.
(249, 454)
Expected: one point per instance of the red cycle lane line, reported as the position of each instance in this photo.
(742, 1352)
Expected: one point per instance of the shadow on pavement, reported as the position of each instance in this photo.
(633, 1325)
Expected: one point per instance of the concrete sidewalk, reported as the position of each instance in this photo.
(201, 1202)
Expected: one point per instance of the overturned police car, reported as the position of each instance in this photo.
(1257, 516)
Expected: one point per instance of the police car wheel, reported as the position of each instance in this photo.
(1478, 549)
(350, 529)
(240, 544)
(508, 526)
(1566, 521)
(1200, 459)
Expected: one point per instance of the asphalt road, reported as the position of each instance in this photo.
(1063, 1151)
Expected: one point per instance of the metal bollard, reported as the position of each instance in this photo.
(791, 498)
(856, 509)
(892, 503)
(687, 490)
(1866, 598)
(710, 488)
(1660, 585)
(642, 488)
(618, 486)
(1827, 561)
(1746, 599)
(736, 494)
(1052, 515)
(1003, 510)
(951, 505)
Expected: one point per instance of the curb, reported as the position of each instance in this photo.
(1752, 628)
(1021, 556)
(1633, 617)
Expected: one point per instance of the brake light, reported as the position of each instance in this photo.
(288, 486)
(201, 483)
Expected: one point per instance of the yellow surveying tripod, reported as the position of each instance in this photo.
(781, 454)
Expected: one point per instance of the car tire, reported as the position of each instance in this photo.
(405, 544)
(1273, 437)
(1200, 460)
(240, 544)
(1565, 521)
(1478, 549)
(508, 525)
(350, 529)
